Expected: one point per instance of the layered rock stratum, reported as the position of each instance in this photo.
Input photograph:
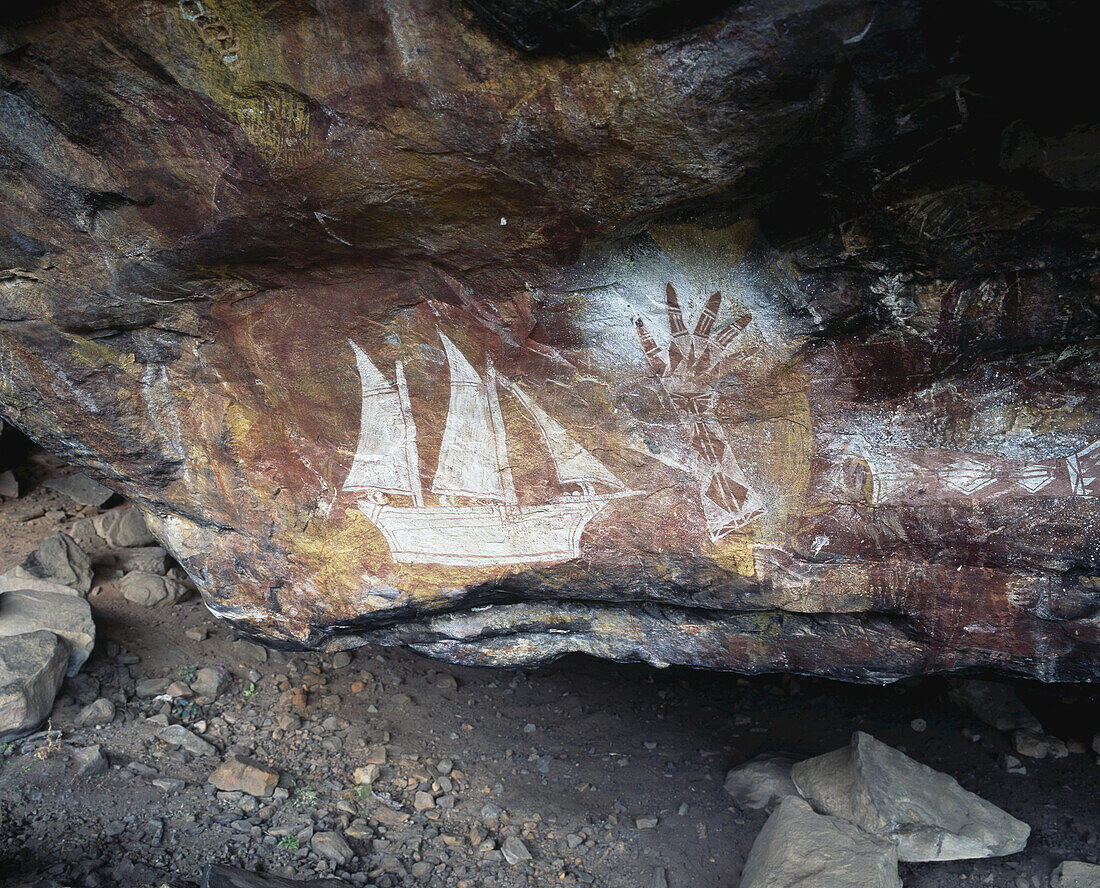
(761, 338)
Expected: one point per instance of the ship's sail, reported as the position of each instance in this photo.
(385, 458)
(469, 464)
(573, 464)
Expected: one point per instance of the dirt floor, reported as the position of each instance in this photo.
(571, 759)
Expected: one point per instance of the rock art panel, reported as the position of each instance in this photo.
(691, 349)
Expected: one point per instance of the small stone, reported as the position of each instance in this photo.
(446, 682)
(209, 682)
(421, 870)
(646, 821)
(1037, 745)
(151, 590)
(367, 775)
(168, 784)
(341, 659)
(147, 559)
(58, 560)
(178, 689)
(388, 816)
(80, 488)
(240, 774)
(9, 487)
(151, 687)
(376, 755)
(445, 766)
(529, 728)
(332, 846)
(919, 725)
(124, 527)
(514, 850)
(90, 761)
(658, 878)
(200, 634)
(32, 666)
(98, 712)
(1075, 874)
(178, 735)
(423, 801)
(761, 783)
(1014, 766)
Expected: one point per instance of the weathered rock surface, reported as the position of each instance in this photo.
(32, 667)
(90, 761)
(147, 559)
(120, 528)
(798, 847)
(218, 876)
(80, 488)
(1075, 874)
(58, 560)
(242, 774)
(100, 711)
(63, 613)
(152, 590)
(926, 813)
(178, 735)
(252, 262)
(761, 783)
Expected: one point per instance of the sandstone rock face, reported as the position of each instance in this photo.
(926, 813)
(758, 340)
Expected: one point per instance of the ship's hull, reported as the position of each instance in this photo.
(483, 535)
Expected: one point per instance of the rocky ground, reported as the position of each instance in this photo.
(386, 769)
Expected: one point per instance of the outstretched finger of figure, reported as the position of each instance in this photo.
(730, 333)
(680, 336)
(708, 316)
(651, 349)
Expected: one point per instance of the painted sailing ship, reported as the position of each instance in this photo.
(478, 519)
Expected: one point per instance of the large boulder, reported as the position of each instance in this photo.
(757, 338)
(798, 848)
(32, 667)
(58, 560)
(925, 812)
(63, 613)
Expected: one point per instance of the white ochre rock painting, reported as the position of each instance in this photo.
(476, 519)
(473, 517)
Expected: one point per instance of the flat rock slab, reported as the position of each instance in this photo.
(241, 774)
(926, 813)
(148, 559)
(1075, 874)
(218, 876)
(80, 488)
(32, 667)
(798, 848)
(58, 560)
(67, 615)
(761, 783)
(995, 703)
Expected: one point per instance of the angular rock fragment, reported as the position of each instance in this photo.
(123, 527)
(798, 848)
(332, 846)
(64, 614)
(9, 487)
(242, 774)
(178, 735)
(1075, 874)
(152, 590)
(99, 712)
(1037, 745)
(32, 667)
(80, 488)
(926, 813)
(90, 761)
(209, 681)
(218, 876)
(995, 703)
(58, 560)
(761, 783)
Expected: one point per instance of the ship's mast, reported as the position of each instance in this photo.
(500, 440)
